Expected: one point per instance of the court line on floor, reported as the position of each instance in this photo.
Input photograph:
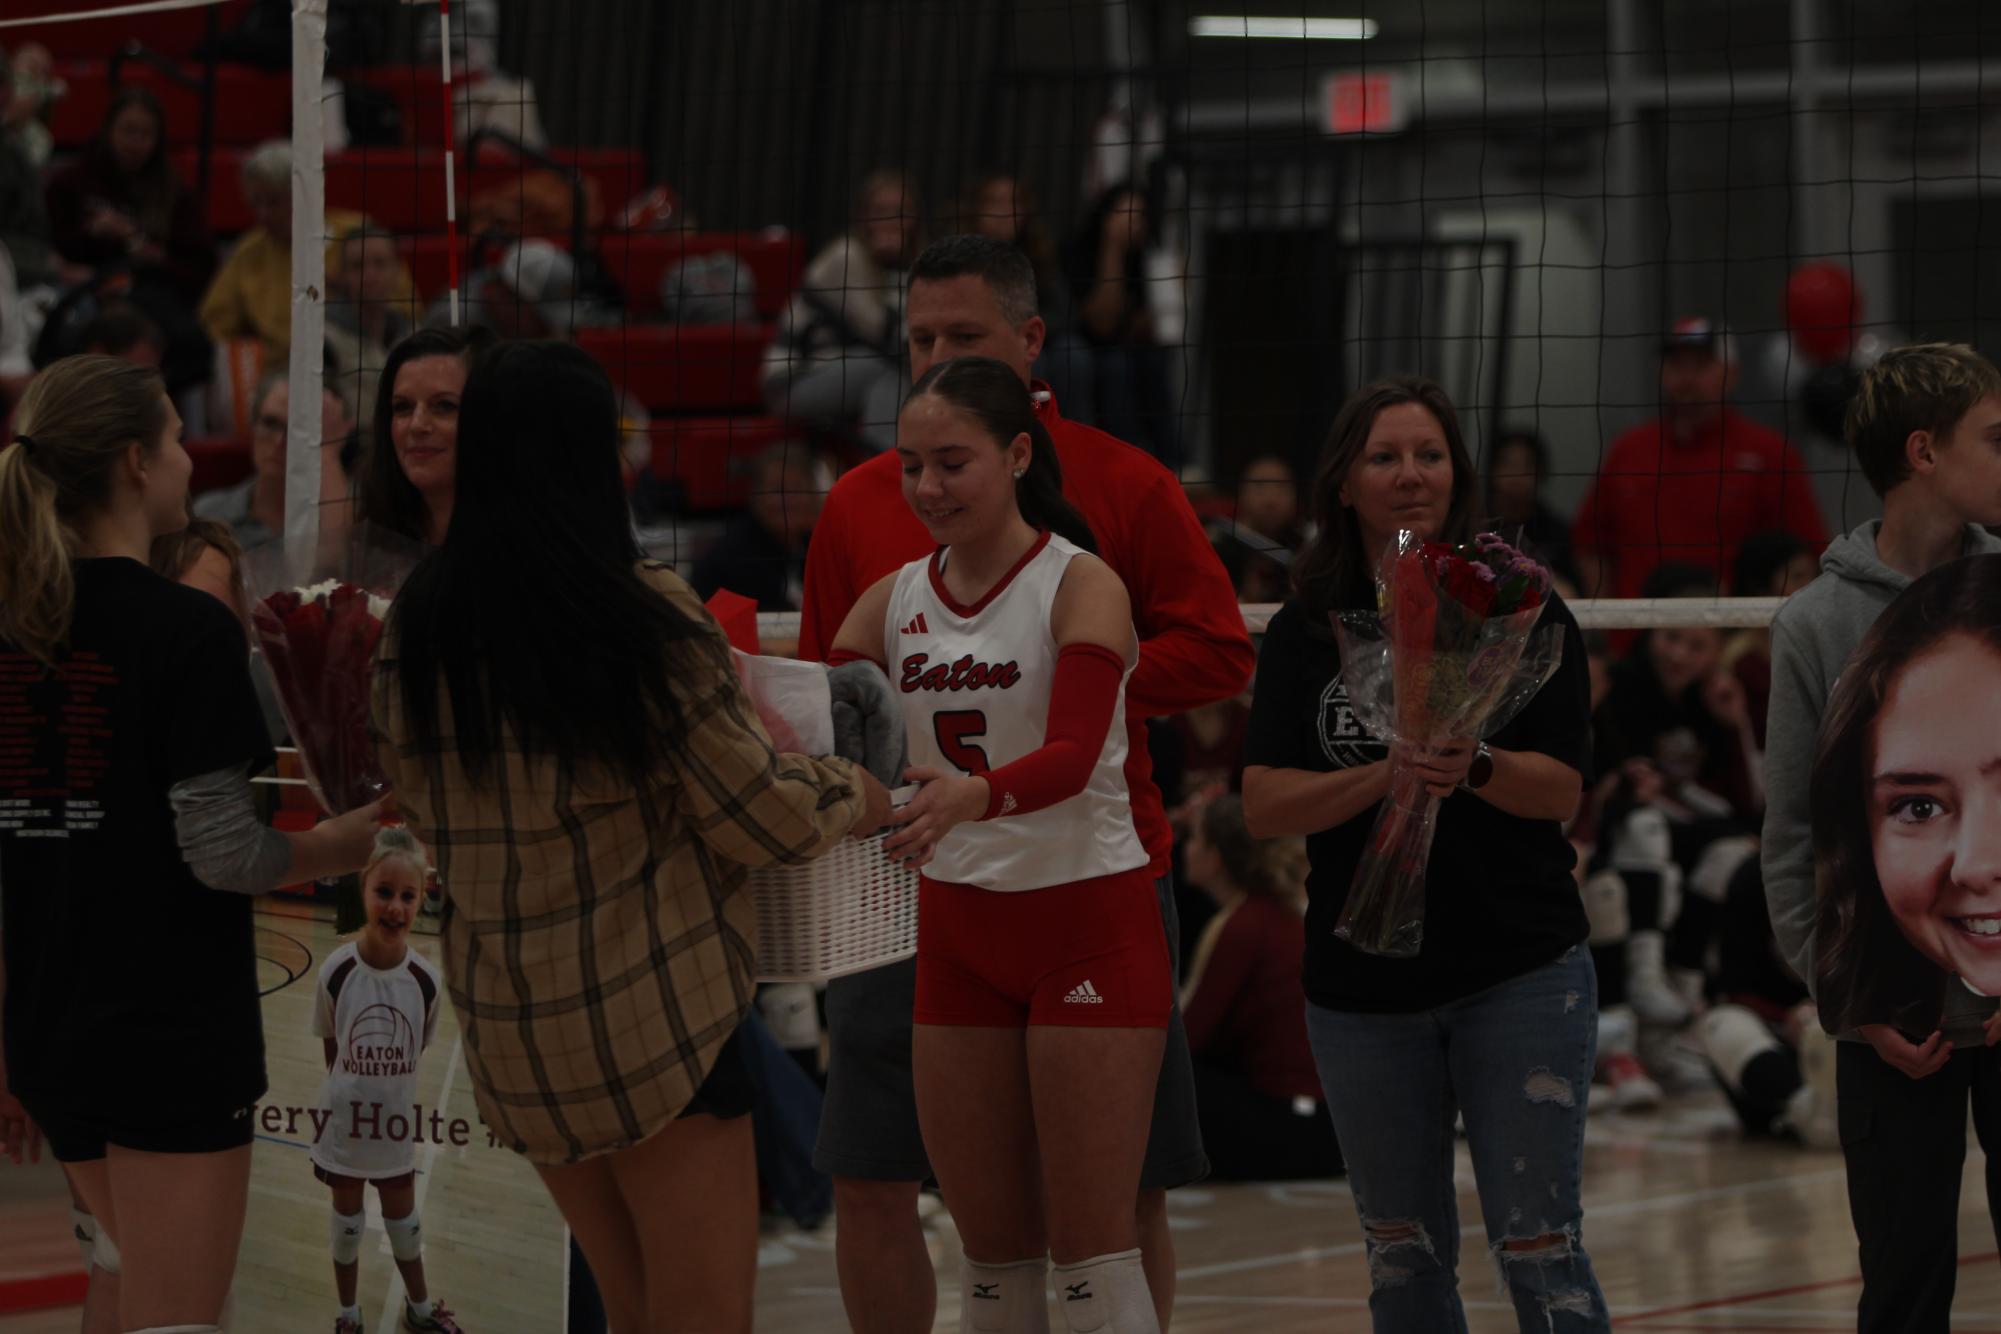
(1722, 1303)
(425, 1159)
(1617, 1209)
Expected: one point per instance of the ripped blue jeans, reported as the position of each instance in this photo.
(1516, 1060)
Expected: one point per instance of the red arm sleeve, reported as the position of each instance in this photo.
(1081, 700)
(1222, 976)
(830, 592)
(1193, 647)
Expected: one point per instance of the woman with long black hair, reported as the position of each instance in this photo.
(564, 726)
(409, 471)
(1496, 1016)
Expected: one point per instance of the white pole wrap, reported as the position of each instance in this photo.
(309, 279)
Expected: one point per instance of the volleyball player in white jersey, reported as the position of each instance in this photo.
(1043, 981)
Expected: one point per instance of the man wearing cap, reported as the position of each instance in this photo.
(1691, 485)
(531, 292)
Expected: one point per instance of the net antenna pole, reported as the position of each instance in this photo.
(451, 148)
(309, 277)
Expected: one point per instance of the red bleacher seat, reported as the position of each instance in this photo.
(711, 457)
(638, 261)
(250, 105)
(683, 368)
(418, 97)
(403, 189)
(170, 32)
(218, 463)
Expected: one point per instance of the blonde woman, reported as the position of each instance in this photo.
(132, 846)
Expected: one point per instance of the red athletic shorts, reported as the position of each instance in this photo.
(1092, 953)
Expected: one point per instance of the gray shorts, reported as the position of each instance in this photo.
(868, 1124)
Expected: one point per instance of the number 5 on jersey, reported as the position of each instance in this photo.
(956, 730)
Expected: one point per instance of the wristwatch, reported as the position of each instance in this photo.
(1481, 770)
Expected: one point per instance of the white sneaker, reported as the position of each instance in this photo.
(1674, 1061)
(1652, 996)
(1633, 1090)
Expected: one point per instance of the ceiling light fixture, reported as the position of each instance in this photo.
(1279, 27)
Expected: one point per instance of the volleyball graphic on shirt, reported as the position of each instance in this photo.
(975, 682)
(380, 1041)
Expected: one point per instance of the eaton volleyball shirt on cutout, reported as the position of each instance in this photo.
(975, 683)
(380, 1021)
(114, 948)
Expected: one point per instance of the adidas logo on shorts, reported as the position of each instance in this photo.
(1084, 994)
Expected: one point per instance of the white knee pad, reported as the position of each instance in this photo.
(1642, 842)
(406, 1240)
(1718, 865)
(1004, 1299)
(1106, 1294)
(1731, 1037)
(345, 1234)
(104, 1252)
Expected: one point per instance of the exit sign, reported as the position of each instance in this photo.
(1369, 103)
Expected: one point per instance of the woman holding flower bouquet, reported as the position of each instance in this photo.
(564, 727)
(131, 847)
(1495, 1016)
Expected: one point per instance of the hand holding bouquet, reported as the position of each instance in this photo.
(1452, 656)
(320, 639)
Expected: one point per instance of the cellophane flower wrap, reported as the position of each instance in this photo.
(1453, 655)
(318, 637)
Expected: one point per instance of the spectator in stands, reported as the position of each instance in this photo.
(251, 295)
(24, 216)
(120, 329)
(120, 211)
(1002, 205)
(530, 292)
(371, 307)
(1115, 358)
(1514, 498)
(409, 472)
(1258, 539)
(254, 508)
(24, 108)
(1263, 1115)
(17, 364)
(762, 554)
(487, 97)
(838, 358)
(1691, 485)
(1681, 802)
(121, 204)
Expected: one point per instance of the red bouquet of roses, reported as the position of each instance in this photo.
(319, 640)
(1453, 655)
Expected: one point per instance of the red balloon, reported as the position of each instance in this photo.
(1822, 310)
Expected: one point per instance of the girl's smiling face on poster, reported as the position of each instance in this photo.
(1935, 806)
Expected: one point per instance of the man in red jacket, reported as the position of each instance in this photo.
(974, 296)
(1691, 485)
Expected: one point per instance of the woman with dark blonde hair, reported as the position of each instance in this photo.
(132, 847)
(1496, 1016)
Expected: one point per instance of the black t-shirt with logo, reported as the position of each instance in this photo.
(1500, 899)
(131, 986)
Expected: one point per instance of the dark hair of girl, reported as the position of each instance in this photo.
(1867, 972)
(1333, 573)
(533, 613)
(993, 395)
(1274, 867)
(385, 496)
(154, 185)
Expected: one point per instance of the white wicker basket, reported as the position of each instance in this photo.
(851, 910)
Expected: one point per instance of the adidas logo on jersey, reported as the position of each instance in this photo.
(917, 626)
(1084, 994)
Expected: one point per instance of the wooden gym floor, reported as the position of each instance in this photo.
(1690, 1228)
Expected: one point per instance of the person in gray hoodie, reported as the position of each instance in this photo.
(1925, 428)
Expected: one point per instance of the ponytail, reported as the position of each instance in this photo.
(76, 421)
(994, 395)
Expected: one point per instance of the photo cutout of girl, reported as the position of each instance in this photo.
(1907, 808)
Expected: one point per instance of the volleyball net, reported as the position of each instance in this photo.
(1584, 223)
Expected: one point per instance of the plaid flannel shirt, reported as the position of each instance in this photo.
(598, 942)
